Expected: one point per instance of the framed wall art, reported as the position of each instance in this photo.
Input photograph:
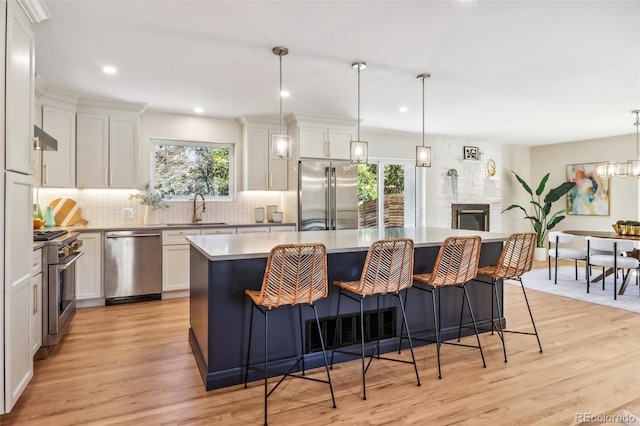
(591, 195)
(470, 153)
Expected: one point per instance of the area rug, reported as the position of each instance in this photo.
(538, 279)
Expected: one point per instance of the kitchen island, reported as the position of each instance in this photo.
(223, 266)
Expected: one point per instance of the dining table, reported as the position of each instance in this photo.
(605, 234)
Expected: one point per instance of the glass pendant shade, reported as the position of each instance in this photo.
(281, 147)
(611, 169)
(423, 156)
(359, 153)
(633, 168)
(280, 144)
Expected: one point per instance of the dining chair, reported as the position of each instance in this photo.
(556, 251)
(515, 259)
(295, 275)
(388, 269)
(455, 266)
(610, 253)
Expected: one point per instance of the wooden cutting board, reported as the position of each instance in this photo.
(66, 212)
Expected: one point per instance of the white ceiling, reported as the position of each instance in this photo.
(523, 72)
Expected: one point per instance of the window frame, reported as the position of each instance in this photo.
(155, 141)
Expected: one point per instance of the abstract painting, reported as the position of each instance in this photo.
(590, 196)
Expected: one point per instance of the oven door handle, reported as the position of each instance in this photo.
(70, 262)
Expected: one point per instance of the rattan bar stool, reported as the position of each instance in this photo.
(296, 274)
(515, 259)
(388, 269)
(456, 264)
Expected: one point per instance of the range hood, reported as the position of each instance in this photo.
(43, 141)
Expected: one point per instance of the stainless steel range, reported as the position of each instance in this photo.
(60, 253)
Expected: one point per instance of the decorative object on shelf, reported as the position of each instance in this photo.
(270, 210)
(491, 168)
(470, 153)
(590, 196)
(152, 201)
(541, 218)
(423, 153)
(37, 212)
(620, 169)
(278, 217)
(280, 143)
(359, 150)
(258, 214)
(453, 174)
(37, 222)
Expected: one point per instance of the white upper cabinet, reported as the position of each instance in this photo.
(59, 167)
(19, 90)
(260, 171)
(322, 137)
(107, 147)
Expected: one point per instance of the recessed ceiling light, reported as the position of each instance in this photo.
(285, 94)
(198, 110)
(403, 108)
(109, 69)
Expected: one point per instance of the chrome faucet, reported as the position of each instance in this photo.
(197, 217)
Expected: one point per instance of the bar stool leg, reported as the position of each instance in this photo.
(301, 338)
(324, 354)
(404, 319)
(436, 327)
(246, 366)
(473, 319)
(364, 387)
(402, 326)
(530, 314)
(460, 323)
(335, 332)
(266, 361)
(499, 320)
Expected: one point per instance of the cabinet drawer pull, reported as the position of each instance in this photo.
(35, 299)
(45, 170)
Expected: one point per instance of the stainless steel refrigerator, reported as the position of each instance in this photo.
(327, 195)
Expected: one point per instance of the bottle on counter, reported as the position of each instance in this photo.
(49, 221)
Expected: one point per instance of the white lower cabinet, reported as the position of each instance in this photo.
(35, 335)
(254, 230)
(175, 256)
(89, 269)
(283, 228)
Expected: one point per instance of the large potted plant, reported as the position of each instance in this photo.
(541, 218)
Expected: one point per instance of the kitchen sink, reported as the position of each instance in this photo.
(197, 224)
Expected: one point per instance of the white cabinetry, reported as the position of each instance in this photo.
(19, 90)
(175, 256)
(322, 137)
(107, 148)
(89, 270)
(260, 171)
(254, 230)
(35, 334)
(17, 280)
(59, 167)
(283, 228)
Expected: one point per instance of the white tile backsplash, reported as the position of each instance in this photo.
(103, 207)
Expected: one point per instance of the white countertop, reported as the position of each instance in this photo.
(247, 246)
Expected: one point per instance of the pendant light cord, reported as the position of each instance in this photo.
(637, 124)
(423, 111)
(280, 94)
(359, 102)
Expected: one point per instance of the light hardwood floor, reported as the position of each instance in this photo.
(132, 365)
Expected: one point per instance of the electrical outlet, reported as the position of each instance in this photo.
(127, 212)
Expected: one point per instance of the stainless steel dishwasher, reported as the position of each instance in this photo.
(132, 266)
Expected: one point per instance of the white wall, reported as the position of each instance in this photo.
(518, 159)
(623, 191)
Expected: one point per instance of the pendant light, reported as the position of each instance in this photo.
(633, 166)
(618, 169)
(423, 153)
(280, 143)
(359, 150)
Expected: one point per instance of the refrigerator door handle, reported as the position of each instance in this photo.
(328, 191)
(333, 206)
